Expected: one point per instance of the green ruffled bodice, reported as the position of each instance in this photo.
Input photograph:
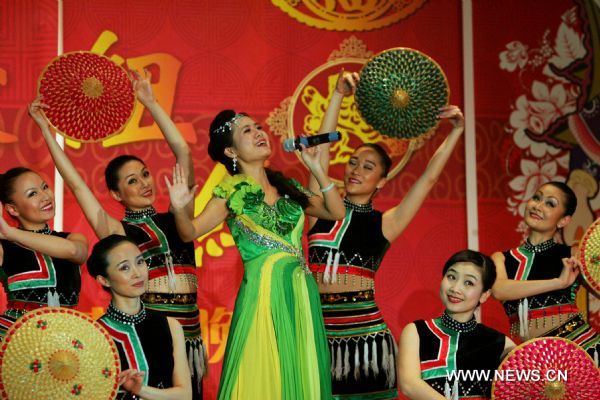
(258, 227)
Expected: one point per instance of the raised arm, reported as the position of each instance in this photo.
(101, 222)
(73, 248)
(409, 368)
(330, 205)
(396, 219)
(510, 289)
(183, 154)
(345, 86)
(180, 194)
(131, 380)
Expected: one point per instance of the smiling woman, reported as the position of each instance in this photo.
(344, 256)
(434, 354)
(172, 284)
(537, 281)
(276, 346)
(39, 267)
(151, 346)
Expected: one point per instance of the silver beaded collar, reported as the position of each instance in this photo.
(360, 208)
(456, 326)
(44, 231)
(141, 214)
(540, 247)
(117, 315)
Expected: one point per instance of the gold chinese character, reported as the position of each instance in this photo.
(215, 331)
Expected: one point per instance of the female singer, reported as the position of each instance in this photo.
(276, 347)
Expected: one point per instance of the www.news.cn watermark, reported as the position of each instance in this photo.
(509, 375)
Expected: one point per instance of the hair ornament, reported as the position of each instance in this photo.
(228, 124)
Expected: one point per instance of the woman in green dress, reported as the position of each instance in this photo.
(277, 347)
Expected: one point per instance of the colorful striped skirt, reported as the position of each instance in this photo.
(363, 350)
(580, 332)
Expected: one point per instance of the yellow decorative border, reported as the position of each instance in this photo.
(369, 15)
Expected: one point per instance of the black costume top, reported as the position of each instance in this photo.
(452, 351)
(157, 238)
(33, 279)
(357, 240)
(144, 343)
(542, 261)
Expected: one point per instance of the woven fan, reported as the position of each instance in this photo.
(589, 256)
(542, 364)
(89, 96)
(58, 353)
(400, 93)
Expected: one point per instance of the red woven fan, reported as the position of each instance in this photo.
(547, 368)
(589, 256)
(89, 96)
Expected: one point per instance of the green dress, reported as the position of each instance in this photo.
(277, 347)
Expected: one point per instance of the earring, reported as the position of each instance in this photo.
(234, 163)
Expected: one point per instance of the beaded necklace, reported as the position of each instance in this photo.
(117, 315)
(540, 247)
(44, 231)
(360, 208)
(453, 324)
(140, 214)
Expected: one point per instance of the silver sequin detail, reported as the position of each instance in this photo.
(264, 241)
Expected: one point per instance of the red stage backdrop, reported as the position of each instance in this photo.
(277, 60)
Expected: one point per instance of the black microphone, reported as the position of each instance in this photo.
(293, 144)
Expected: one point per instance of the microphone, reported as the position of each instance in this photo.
(293, 144)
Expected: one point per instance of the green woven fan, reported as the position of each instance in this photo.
(400, 93)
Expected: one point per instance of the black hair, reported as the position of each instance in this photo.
(570, 198)
(97, 263)
(7, 183)
(111, 173)
(385, 159)
(221, 137)
(488, 269)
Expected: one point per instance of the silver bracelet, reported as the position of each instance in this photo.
(327, 188)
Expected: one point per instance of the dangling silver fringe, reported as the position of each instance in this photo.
(596, 357)
(338, 362)
(385, 359)
(340, 357)
(366, 358)
(53, 298)
(356, 363)
(523, 319)
(346, 370)
(336, 264)
(455, 390)
(447, 392)
(197, 360)
(190, 358)
(391, 375)
(327, 272)
(374, 365)
(332, 355)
